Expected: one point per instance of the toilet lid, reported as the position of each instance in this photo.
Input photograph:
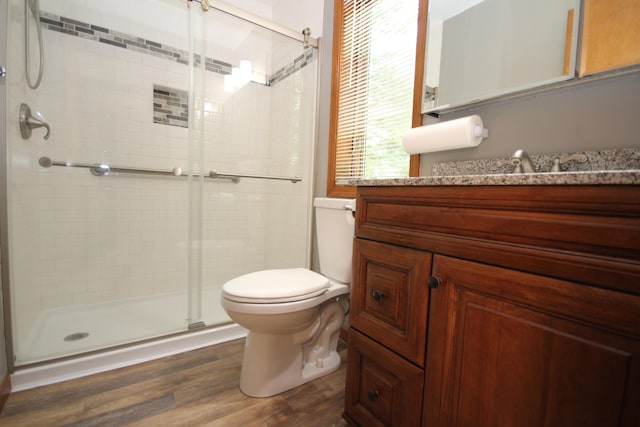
(272, 286)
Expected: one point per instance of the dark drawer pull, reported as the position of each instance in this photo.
(377, 295)
(373, 395)
(434, 282)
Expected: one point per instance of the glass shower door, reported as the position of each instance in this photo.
(254, 118)
(99, 256)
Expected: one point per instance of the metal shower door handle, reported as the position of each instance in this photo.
(28, 122)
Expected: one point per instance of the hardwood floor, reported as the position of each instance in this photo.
(197, 388)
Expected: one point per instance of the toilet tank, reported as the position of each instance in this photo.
(335, 225)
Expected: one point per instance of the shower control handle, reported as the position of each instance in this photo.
(28, 122)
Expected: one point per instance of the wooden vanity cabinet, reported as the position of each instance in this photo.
(528, 299)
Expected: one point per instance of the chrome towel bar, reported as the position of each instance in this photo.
(216, 174)
(103, 169)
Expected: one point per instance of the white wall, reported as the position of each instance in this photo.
(595, 116)
(296, 14)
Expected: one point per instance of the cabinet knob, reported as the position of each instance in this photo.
(434, 282)
(377, 295)
(373, 395)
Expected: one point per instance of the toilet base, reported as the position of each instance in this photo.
(276, 362)
(278, 366)
(311, 371)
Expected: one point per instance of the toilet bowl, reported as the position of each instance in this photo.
(294, 316)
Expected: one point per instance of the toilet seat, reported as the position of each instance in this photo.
(276, 286)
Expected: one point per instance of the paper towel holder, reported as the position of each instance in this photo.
(463, 132)
(480, 131)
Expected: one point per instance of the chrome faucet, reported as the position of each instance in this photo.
(29, 122)
(578, 158)
(522, 162)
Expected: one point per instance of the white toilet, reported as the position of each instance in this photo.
(294, 316)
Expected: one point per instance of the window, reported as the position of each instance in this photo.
(376, 89)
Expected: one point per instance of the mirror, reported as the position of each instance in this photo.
(483, 49)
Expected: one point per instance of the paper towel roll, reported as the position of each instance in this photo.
(450, 135)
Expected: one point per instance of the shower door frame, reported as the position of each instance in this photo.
(4, 207)
(260, 22)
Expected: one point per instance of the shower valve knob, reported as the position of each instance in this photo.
(29, 121)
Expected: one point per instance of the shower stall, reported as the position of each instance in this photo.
(178, 155)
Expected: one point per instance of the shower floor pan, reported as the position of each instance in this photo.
(73, 330)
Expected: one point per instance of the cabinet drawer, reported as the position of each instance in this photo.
(390, 296)
(382, 388)
(587, 234)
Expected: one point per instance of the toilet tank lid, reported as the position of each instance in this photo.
(277, 283)
(332, 203)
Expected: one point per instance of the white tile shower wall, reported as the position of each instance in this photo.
(258, 130)
(22, 213)
(235, 140)
(288, 209)
(79, 238)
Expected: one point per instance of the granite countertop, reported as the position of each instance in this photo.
(609, 177)
(605, 167)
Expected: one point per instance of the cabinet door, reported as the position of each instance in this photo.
(382, 388)
(390, 296)
(514, 349)
(610, 35)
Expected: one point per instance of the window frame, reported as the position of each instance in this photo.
(338, 190)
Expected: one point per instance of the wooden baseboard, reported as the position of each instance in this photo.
(5, 390)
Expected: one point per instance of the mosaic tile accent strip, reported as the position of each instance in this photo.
(138, 44)
(170, 106)
(298, 63)
(216, 66)
(113, 38)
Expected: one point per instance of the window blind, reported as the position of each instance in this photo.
(375, 92)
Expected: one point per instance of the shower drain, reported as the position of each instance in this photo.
(76, 336)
